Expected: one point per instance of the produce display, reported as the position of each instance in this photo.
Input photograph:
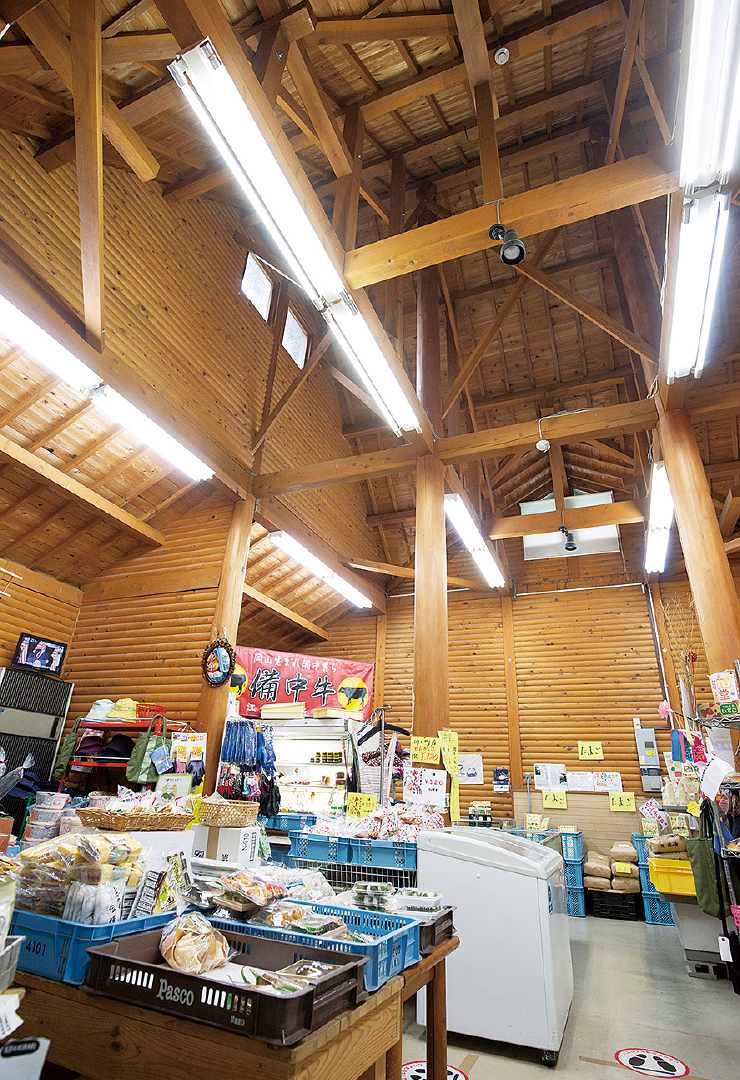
(386, 823)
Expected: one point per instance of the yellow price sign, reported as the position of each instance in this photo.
(693, 808)
(454, 799)
(425, 749)
(448, 746)
(679, 824)
(359, 804)
(554, 800)
(590, 751)
(623, 868)
(533, 821)
(622, 800)
(651, 828)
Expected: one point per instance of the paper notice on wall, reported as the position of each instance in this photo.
(548, 777)
(454, 799)
(470, 768)
(607, 781)
(581, 781)
(501, 782)
(427, 786)
(653, 811)
(425, 749)
(448, 746)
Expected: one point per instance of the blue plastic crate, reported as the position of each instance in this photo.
(288, 822)
(391, 854)
(646, 885)
(320, 848)
(573, 874)
(396, 947)
(639, 843)
(58, 950)
(577, 903)
(572, 846)
(657, 912)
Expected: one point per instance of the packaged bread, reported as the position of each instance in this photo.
(624, 852)
(597, 865)
(601, 884)
(624, 870)
(191, 945)
(625, 884)
(669, 843)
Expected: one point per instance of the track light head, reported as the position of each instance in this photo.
(543, 445)
(570, 544)
(497, 232)
(512, 249)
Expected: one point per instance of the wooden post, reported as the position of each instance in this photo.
(394, 287)
(214, 699)
(512, 695)
(707, 566)
(674, 699)
(346, 201)
(431, 709)
(381, 627)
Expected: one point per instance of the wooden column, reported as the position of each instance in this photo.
(381, 629)
(707, 566)
(516, 773)
(347, 199)
(394, 286)
(664, 646)
(431, 679)
(214, 699)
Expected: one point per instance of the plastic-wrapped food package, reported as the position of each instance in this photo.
(250, 887)
(280, 913)
(311, 887)
(190, 944)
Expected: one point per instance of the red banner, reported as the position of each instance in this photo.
(264, 677)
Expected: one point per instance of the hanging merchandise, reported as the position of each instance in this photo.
(218, 662)
(141, 769)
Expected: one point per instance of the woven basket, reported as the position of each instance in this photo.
(104, 819)
(228, 814)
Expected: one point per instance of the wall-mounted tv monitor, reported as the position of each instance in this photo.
(39, 654)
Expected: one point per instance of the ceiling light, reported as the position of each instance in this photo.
(660, 519)
(123, 412)
(468, 532)
(501, 56)
(306, 558)
(225, 115)
(542, 444)
(48, 352)
(570, 544)
(512, 249)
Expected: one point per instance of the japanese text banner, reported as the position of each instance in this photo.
(264, 677)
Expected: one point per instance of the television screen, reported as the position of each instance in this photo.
(37, 654)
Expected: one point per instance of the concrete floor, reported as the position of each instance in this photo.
(631, 990)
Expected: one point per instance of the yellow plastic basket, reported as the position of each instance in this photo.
(672, 876)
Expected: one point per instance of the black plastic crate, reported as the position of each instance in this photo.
(615, 905)
(433, 933)
(132, 969)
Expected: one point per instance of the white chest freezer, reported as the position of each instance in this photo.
(511, 978)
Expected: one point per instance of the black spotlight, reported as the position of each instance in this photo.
(570, 544)
(497, 232)
(512, 249)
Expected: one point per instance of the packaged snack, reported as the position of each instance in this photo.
(257, 888)
(318, 924)
(190, 944)
(279, 914)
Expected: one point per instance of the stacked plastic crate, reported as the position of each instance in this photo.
(573, 856)
(657, 911)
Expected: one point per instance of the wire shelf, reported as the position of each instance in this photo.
(343, 875)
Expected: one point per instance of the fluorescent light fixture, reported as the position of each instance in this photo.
(306, 558)
(134, 420)
(712, 110)
(224, 114)
(48, 352)
(660, 519)
(468, 532)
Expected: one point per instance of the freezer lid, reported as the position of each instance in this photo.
(495, 848)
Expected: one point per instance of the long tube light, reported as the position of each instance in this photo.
(224, 114)
(660, 519)
(708, 153)
(57, 358)
(307, 559)
(468, 532)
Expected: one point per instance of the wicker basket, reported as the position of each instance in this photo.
(227, 814)
(104, 819)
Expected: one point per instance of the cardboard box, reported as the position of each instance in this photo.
(166, 840)
(227, 845)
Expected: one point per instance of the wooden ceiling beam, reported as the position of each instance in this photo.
(554, 391)
(588, 311)
(390, 28)
(318, 107)
(729, 514)
(582, 517)
(46, 30)
(536, 210)
(283, 612)
(139, 46)
(53, 477)
(61, 425)
(392, 517)
(632, 30)
(478, 67)
(408, 573)
(297, 382)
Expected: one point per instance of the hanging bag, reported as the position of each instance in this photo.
(140, 768)
(66, 750)
(701, 857)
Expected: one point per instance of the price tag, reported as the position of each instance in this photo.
(651, 828)
(448, 746)
(623, 868)
(533, 821)
(425, 749)
(590, 751)
(454, 799)
(622, 800)
(693, 808)
(679, 824)
(360, 804)
(554, 800)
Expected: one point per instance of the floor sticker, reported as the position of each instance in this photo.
(417, 1070)
(651, 1062)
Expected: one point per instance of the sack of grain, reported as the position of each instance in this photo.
(601, 884)
(624, 852)
(597, 865)
(624, 870)
(624, 884)
(666, 844)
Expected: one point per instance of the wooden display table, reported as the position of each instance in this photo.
(103, 1038)
(429, 972)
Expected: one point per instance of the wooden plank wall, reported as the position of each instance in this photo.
(144, 624)
(34, 610)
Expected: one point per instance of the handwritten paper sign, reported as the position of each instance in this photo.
(554, 800)
(448, 746)
(427, 786)
(470, 768)
(590, 751)
(425, 749)
(622, 800)
(533, 821)
(623, 868)
(651, 827)
(679, 824)
(360, 804)
(454, 799)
